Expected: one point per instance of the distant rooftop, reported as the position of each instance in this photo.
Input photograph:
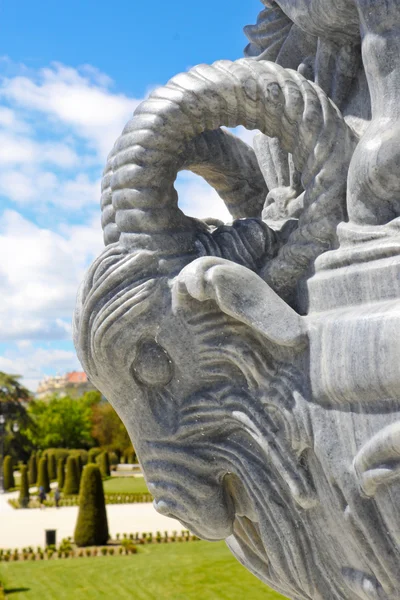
(73, 383)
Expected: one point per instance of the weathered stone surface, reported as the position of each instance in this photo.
(256, 364)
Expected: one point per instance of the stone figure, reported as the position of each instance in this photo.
(256, 364)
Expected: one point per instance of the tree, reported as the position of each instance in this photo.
(8, 473)
(91, 526)
(60, 423)
(13, 399)
(24, 487)
(61, 473)
(32, 469)
(104, 464)
(108, 429)
(43, 478)
(71, 485)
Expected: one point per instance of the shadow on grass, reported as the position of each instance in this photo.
(15, 590)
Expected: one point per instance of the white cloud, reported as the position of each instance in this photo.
(79, 99)
(41, 275)
(57, 125)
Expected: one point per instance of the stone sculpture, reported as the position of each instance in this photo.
(256, 364)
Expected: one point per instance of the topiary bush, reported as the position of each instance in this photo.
(61, 473)
(79, 463)
(32, 469)
(52, 466)
(8, 473)
(93, 454)
(24, 487)
(104, 464)
(91, 526)
(71, 485)
(43, 476)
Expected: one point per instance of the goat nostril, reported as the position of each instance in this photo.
(161, 507)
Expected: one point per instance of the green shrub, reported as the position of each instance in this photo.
(113, 458)
(71, 485)
(8, 473)
(61, 473)
(104, 464)
(52, 466)
(84, 454)
(91, 526)
(43, 478)
(79, 463)
(24, 487)
(93, 454)
(33, 471)
(57, 452)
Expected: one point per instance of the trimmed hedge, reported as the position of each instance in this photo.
(71, 485)
(24, 487)
(8, 473)
(73, 500)
(93, 454)
(32, 469)
(52, 466)
(103, 461)
(43, 478)
(91, 526)
(79, 464)
(61, 473)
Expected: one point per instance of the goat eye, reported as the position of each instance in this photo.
(152, 365)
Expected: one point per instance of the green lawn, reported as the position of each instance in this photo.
(125, 485)
(177, 571)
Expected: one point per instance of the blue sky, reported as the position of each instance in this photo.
(71, 74)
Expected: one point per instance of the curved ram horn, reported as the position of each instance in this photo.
(227, 163)
(257, 95)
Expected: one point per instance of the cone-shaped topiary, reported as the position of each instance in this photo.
(61, 473)
(24, 487)
(71, 485)
(93, 454)
(43, 477)
(52, 466)
(91, 527)
(104, 464)
(79, 463)
(37, 464)
(32, 467)
(8, 473)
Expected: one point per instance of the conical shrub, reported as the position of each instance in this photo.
(43, 478)
(38, 457)
(33, 471)
(91, 526)
(79, 465)
(24, 487)
(8, 473)
(104, 464)
(61, 473)
(93, 454)
(52, 466)
(71, 485)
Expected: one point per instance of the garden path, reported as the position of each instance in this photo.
(26, 527)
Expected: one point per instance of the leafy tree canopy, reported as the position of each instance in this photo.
(108, 429)
(60, 423)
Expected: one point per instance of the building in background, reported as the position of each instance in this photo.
(72, 384)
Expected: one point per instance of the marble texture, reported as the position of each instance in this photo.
(256, 364)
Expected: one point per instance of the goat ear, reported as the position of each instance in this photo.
(242, 294)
